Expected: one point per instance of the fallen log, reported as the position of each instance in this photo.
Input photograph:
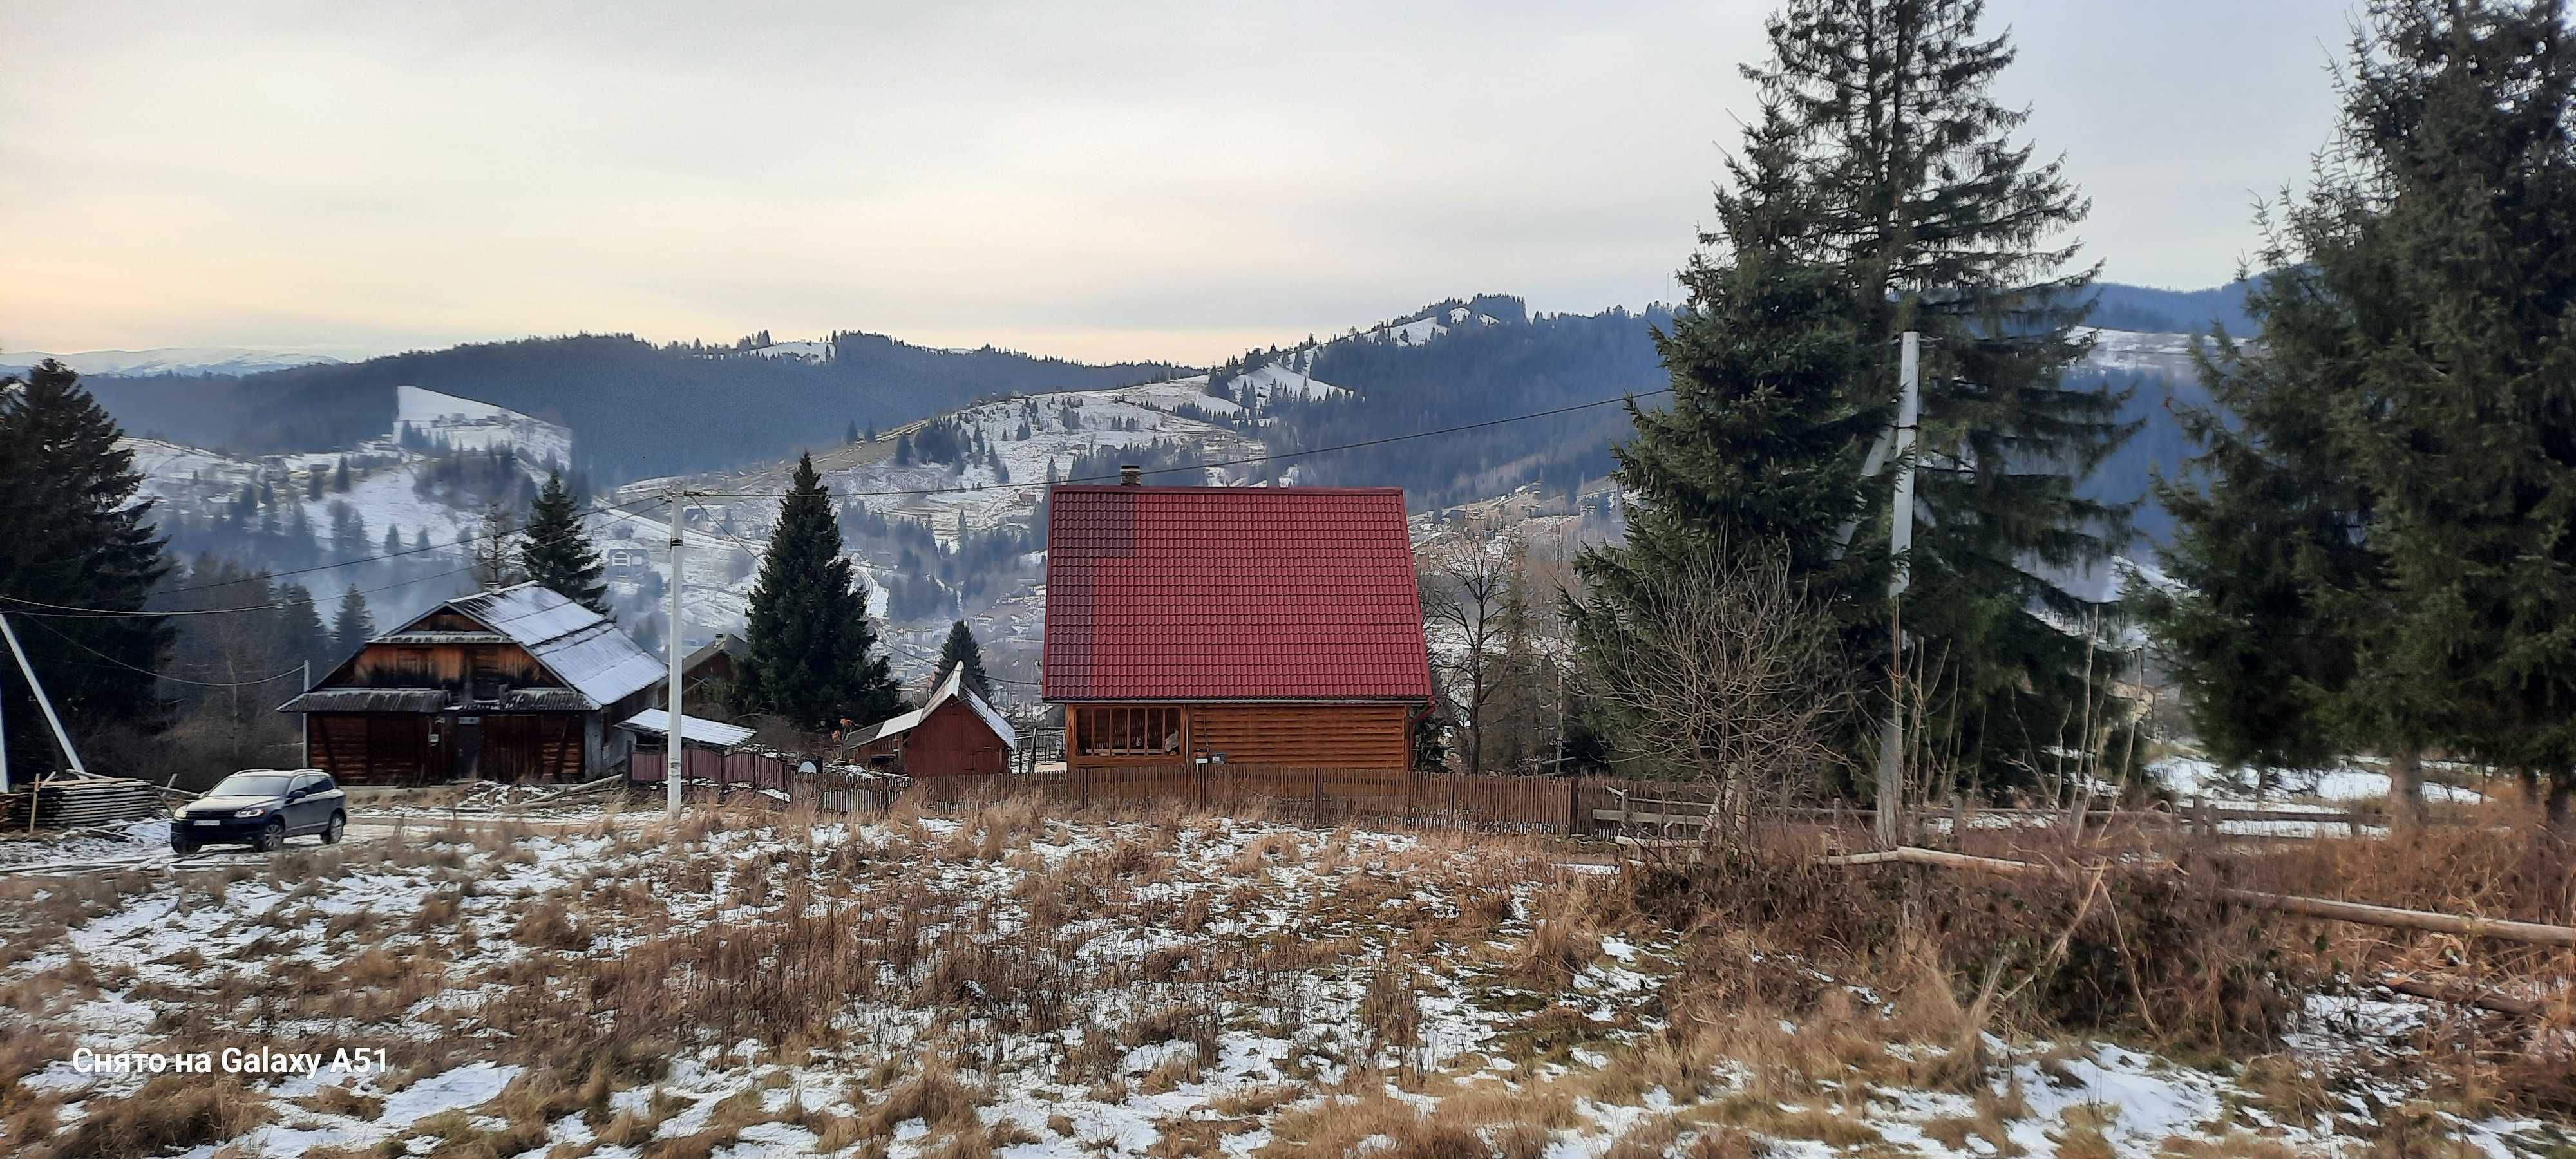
(2532, 933)
(2460, 994)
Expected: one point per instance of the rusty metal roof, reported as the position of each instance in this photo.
(436, 700)
(368, 700)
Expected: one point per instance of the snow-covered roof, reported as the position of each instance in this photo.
(692, 729)
(951, 688)
(582, 648)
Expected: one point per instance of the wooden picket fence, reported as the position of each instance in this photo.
(1513, 804)
(708, 774)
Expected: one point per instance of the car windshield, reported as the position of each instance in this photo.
(253, 785)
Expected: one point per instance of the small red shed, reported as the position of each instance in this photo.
(953, 734)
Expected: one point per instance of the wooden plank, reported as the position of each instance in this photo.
(2388, 917)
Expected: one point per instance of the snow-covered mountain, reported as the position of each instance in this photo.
(1416, 331)
(169, 360)
(427, 417)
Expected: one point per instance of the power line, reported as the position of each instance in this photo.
(75, 611)
(459, 541)
(67, 612)
(890, 644)
(1211, 463)
(60, 635)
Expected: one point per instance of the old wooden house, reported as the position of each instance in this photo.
(1256, 625)
(516, 684)
(954, 733)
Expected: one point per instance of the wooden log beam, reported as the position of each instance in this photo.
(2461, 994)
(2389, 917)
(2532, 933)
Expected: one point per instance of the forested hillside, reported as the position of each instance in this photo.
(636, 410)
(1471, 374)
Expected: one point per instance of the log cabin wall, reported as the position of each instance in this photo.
(450, 666)
(373, 748)
(1339, 736)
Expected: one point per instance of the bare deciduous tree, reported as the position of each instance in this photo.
(496, 549)
(1729, 677)
(1465, 579)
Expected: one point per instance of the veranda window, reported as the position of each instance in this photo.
(1129, 730)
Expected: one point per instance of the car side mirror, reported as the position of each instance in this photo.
(297, 794)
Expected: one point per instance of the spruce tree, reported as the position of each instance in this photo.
(352, 627)
(960, 648)
(301, 637)
(1878, 192)
(74, 534)
(556, 554)
(2415, 346)
(813, 649)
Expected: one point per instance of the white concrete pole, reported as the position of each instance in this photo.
(38, 688)
(1900, 540)
(672, 642)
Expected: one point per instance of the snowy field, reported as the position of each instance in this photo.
(1000, 983)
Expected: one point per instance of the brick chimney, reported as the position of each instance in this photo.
(1131, 475)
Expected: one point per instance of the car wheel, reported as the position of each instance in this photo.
(270, 836)
(183, 848)
(331, 832)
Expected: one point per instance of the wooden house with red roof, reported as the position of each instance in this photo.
(1251, 625)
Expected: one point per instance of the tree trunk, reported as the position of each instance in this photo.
(2562, 800)
(2406, 786)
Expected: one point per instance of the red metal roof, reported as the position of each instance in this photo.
(1231, 593)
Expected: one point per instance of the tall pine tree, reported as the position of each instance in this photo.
(73, 534)
(2411, 398)
(813, 650)
(960, 648)
(352, 627)
(1880, 191)
(556, 554)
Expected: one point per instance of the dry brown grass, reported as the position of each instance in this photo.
(169, 1111)
(935, 1095)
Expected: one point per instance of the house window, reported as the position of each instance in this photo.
(1129, 730)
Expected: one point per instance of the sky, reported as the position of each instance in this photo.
(1102, 180)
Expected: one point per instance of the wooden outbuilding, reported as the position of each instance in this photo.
(954, 733)
(513, 684)
(718, 661)
(1252, 625)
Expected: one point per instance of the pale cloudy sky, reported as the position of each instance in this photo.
(1154, 179)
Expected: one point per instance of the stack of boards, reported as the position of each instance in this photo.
(74, 802)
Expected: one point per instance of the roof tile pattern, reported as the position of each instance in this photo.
(1231, 593)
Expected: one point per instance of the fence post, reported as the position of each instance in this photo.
(1573, 804)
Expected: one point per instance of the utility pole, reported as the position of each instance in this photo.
(304, 724)
(38, 688)
(672, 642)
(1900, 540)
